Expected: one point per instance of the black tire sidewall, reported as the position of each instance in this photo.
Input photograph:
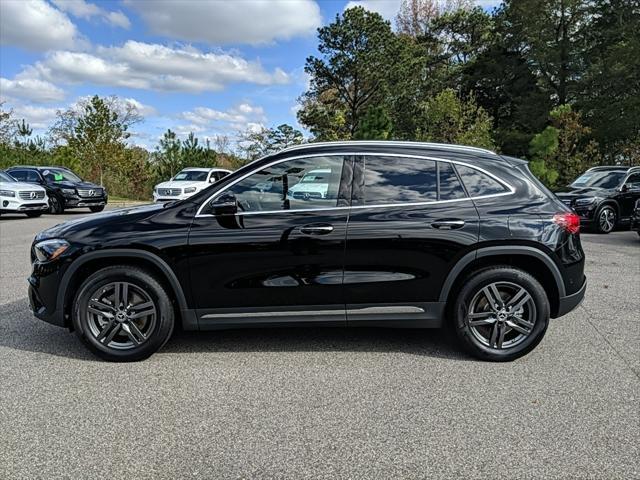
(140, 278)
(473, 285)
(60, 205)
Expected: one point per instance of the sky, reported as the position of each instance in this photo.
(212, 67)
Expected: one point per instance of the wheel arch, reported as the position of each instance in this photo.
(529, 259)
(88, 263)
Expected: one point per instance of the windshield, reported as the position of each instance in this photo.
(191, 176)
(5, 177)
(60, 175)
(599, 179)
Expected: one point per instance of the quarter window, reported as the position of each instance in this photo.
(450, 186)
(389, 180)
(291, 185)
(479, 184)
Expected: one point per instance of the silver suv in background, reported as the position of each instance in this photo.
(187, 182)
(18, 197)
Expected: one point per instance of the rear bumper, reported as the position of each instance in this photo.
(568, 303)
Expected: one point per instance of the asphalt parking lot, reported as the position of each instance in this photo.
(325, 403)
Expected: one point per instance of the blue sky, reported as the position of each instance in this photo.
(212, 67)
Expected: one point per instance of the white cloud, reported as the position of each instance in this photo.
(38, 118)
(85, 10)
(36, 25)
(31, 89)
(152, 66)
(240, 117)
(247, 21)
(144, 110)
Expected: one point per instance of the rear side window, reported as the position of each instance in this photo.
(450, 186)
(479, 184)
(390, 180)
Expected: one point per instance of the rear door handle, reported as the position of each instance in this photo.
(317, 229)
(448, 224)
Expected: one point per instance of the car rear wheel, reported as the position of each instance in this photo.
(55, 205)
(123, 314)
(501, 314)
(606, 219)
(96, 209)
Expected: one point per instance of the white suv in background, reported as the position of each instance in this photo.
(18, 197)
(186, 183)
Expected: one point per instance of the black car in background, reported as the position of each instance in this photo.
(604, 197)
(635, 220)
(399, 235)
(64, 188)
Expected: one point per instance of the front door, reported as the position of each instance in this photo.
(280, 258)
(411, 221)
(629, 194)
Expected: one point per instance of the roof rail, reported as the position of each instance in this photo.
(393, 143)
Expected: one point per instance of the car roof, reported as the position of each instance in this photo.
(389, 143)
(612, 168)
(203, 169)
(37, 167)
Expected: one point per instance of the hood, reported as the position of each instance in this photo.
(97, 221)
(574, 192)
(20, 186)
(182, 184)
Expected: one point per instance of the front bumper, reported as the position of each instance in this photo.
(77, 202)
(570, 302)
(11, 204)
(44, 289)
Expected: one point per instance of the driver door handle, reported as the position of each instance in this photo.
(317, 229)
(448, 224)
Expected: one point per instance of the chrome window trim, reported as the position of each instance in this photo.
(510, 189)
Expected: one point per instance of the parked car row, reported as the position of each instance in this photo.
(36, 190)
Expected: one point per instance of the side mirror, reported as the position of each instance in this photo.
(624, 188)
(225, 204)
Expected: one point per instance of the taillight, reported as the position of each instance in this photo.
(570, 222)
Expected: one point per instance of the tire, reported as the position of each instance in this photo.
(605, 219)
(483, 338)
(56, 205)
(33, 214)
(117, 336)
(97, 209)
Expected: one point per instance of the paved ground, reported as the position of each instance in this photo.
(331, 403)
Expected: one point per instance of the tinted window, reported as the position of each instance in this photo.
(389, 180)
(191, 176)
(5, 177)
(25, 175)
(633, 182)
(60, 175)
(291, 185)
(599, 178)
(450, 186)
(477, 183)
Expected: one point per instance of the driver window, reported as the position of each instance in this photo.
(633, 182)
(291, 185)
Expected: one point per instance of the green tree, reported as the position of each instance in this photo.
(564, 149)
(255, 144)
(374, 125)
(357, 50)
(167, 158)
(448, 118)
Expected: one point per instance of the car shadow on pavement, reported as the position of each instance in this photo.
(20, 330)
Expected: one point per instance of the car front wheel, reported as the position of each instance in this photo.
(501, 314)
(122, 313)
(606, 219)
(55, 205)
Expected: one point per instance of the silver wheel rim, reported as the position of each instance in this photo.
(607, 220)
(121, 315)
(502, 315)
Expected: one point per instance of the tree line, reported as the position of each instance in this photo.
(553, 81)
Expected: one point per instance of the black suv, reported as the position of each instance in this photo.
(391, 234)
(604, 197)
(64, 188)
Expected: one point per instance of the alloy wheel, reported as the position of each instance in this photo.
(121, 315)
(607, 220)
(501, 315)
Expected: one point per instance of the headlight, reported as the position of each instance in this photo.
(7, 193)
(581, 202)
(48, 250)
(68, 191)
(190, 190)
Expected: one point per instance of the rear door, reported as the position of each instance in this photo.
(411, 220)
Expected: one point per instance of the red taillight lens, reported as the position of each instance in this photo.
(569, 222)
